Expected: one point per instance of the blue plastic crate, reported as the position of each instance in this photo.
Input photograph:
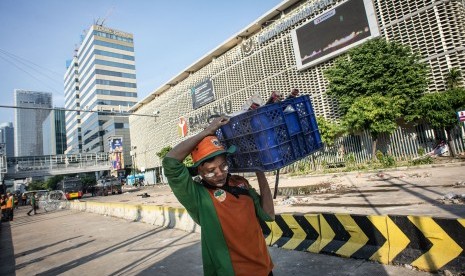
(272, 136)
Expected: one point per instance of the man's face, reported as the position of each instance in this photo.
(215, 172)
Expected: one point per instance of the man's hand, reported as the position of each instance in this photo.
(216, 124)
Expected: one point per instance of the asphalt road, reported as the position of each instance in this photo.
(68, 242)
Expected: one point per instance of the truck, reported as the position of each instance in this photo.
(108, 185)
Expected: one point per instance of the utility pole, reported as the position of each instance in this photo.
(3, 164)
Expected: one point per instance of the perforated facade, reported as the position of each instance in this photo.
(261, 59)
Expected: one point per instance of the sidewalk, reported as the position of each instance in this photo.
(422, 191)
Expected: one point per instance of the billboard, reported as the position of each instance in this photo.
(116, 153)
(116, 144)
(334, 32)
(461, 116)
(202, 94)
(117, 161)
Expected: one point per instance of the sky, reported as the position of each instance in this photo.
(37, 37)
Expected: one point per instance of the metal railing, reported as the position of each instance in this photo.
(17, 167)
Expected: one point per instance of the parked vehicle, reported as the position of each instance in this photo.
(71, 187)
(108, 185)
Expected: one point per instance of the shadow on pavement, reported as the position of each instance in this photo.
(31, 251)
(286, 262)
(191, 263)
(7, 254)
(43, 257)
(155, 269)
(82, 260)
(431, 201)
(408, 187)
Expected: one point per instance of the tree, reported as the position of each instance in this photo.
(36, 185)
(453, 78)
(53, 181)
(164, 151)
(87, 180)
(377, 114)
(439, 110)
(378, 67)
(329, 131)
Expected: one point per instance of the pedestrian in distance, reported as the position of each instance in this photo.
(15, 201)
(10, 205)
(23, 199)
(3, 200)
(226, 207)
(33, 205)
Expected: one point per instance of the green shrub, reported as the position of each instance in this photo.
(422, 161)
(386, 161)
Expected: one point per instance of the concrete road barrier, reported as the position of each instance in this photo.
(156, 215)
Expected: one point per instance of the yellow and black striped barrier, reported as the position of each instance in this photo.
(430, 244)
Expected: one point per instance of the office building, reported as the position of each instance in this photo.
(275, 53)
(54, 133)
(32, 109)
(101, 82)
(7, 137)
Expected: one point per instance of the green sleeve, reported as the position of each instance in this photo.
(261, 214)
(182, 185)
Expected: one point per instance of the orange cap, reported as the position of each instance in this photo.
(207, 148)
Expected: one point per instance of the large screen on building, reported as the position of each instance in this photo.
(334, 32)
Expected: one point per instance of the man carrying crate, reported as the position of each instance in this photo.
(226, 207)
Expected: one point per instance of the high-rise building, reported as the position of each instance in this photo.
(32, 109)
(54, 133)
(7, 137)
(101, 82)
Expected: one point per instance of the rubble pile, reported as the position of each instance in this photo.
(453, 198)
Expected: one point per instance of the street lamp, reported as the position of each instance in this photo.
(133, 165)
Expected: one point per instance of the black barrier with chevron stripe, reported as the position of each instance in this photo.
(376, 239)
(335, 236)
(311, 233)
(412, 241)
(456, 231)
(430, 244)
(266, 230)
(287, 233)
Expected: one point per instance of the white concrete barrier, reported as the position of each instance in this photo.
(163, 216)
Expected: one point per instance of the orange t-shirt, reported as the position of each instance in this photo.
(9, 202)
(242, 232)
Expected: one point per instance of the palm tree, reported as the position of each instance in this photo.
(453, 78)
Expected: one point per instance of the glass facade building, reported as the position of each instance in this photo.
(7, 137)
(54, 133)
(33, 108)
(101, 82)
